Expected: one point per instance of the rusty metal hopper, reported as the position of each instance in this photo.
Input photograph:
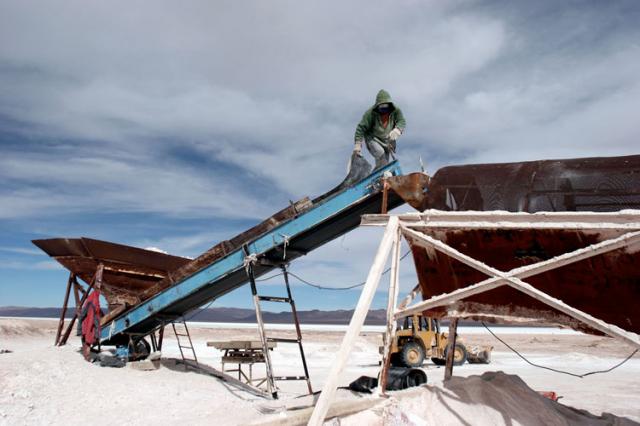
(581, 184)
(128, 271)
(606, 286)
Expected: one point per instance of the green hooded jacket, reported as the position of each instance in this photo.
(371, 127)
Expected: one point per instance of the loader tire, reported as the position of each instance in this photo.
(412, 355)
(459, 356)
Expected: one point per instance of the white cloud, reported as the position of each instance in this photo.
(21, 250)
(264, 99)
(44, 265)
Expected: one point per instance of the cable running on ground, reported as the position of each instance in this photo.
(580, 376)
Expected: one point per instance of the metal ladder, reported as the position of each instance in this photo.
(271, 379)
(188, 362)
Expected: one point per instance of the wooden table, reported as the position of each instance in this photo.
(242, 352)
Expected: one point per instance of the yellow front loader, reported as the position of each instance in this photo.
(420, 337)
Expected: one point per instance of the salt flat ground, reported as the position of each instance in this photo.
(43, 384)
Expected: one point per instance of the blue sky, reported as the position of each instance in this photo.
(167, 125)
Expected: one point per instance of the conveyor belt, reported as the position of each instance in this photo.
(331, 216)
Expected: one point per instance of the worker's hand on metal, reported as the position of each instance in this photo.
(357, 148)
(395, 134)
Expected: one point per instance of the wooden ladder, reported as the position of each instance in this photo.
(271, 379)
(185, 345)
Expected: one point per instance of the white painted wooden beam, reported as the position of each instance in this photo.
(357, 320)
(623, 220)
(512, 278)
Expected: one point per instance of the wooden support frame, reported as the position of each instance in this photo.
(63, 313)
(390, 332)
(403, 225)
(356, 323)
(512, 278)
(95, 282)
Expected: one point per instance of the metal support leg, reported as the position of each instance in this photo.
(154, 342)
(451, 348)
(160, 337)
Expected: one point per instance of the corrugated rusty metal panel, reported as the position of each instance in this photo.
(586, 184)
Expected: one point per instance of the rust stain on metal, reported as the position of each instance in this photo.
(128, 271)
(412, 188)
(585, 184)
(604, 286)
(225, 247)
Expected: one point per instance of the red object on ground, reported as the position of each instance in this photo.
(549, 394)
(91, 314)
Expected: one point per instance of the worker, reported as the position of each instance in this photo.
(380, 128)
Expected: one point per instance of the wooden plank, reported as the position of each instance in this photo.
(96, 281)
(632, 338)
(205, 369)
(113, 313)
(357, 320)
(249, 359)
(240, 344)
(64, 309)
(409, 298)
(451, 344)
(623, 220)
(390, 332)
(300, 416)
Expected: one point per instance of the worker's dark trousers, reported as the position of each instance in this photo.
(380, 151)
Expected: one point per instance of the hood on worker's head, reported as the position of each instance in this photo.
(383, 97)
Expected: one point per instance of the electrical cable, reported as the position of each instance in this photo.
(319, 287)
(198, 312)
(580, 376)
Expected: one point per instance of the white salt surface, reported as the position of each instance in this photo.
(43, 384)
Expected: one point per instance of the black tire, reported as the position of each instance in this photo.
(412, 354)
(461, 351)
(460, 354)
(139, 350)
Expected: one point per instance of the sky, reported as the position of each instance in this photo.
(179, 124)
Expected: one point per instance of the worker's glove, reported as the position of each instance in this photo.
(357, 148)
(395, 134)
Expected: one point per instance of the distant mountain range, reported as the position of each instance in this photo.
(233, 315)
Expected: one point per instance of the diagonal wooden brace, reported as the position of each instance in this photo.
(513, 279)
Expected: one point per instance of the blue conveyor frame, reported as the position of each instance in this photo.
(223, 275)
